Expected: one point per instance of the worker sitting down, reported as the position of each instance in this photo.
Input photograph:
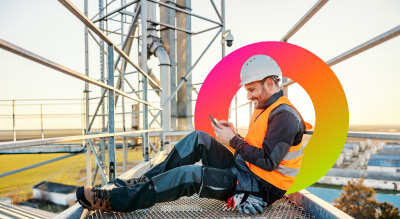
(260, 170)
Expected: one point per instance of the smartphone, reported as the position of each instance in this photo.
(214, 121)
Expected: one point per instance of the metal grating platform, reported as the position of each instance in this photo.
(195, 207)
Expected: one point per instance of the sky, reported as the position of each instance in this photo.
(48, 29)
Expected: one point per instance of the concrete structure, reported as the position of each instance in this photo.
(375, 179)
(10, 211)
(55, 192)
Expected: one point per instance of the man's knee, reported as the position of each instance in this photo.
(193, 141)
(217, 183)
(178, 176)
(201, 133)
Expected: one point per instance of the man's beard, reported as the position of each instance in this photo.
(261, 99)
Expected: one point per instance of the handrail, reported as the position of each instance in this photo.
(317, 6)
(27, 143)
(41, 60)
(358, 49)
(374, 135)
(365, 46)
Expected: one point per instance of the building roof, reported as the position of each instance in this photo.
(55, 187)
(392, 146)
(368, 174)
(384, 160)
(384, 163)
(386, 157)
(389, 151)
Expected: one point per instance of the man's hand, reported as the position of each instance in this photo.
(224, 134)
(250, 206)
(227, 124)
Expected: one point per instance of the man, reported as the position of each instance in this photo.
(249, 173)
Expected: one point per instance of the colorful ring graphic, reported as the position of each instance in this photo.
(311, 73)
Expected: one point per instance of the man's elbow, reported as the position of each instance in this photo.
(266, 165)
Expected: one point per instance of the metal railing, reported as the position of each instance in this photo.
(109, 89)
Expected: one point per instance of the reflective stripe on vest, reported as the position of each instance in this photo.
(283, 176)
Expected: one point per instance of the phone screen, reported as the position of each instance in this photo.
(212, 120)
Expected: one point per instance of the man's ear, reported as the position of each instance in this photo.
(268, 84)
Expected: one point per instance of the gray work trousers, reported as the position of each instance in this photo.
(219, 178)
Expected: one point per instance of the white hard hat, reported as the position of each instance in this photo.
(257, 68)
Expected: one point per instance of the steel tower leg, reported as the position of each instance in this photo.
(88, 151)
(184, 99)
(111, 114)
(144, 79)
(103, 123)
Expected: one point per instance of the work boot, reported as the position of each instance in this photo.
(130, 182)
(94, 198)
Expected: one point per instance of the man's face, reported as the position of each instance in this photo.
(257, 93)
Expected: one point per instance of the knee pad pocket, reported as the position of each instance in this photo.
(217, 183)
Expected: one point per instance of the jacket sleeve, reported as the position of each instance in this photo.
(284, 129)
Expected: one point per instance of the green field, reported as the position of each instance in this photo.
(69, 171)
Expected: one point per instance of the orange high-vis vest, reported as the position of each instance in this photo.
(282, 176)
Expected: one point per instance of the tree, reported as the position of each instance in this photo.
(388, 211)
(357, 200)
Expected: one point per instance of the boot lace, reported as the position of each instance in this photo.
(101, 195)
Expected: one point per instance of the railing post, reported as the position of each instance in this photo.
(111, 113)
(250, 110)
(145, 80)
(14, 132)
(86, 91)
(121, 78)
(102, 111)
(41, 120)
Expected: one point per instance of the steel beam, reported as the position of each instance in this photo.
(128, 41)
(36, 165)
(223, 28)
(114, 11)
(27, 143)
(41, 121)
(145, 82)
(36, 58)
(216, 11)
(111, 114)
(97, 14)
(317, 6)
(185, 11)
(183, 80)
(86, 91)
(208, 29)
(173, 27)
(75, 11)
(14, 131)
(168, 15)
(358, 49)
(237, 107)
(189, 86)
(96, 111)
(100, 165)
(287, 83)
(365, 46)
(122, 85)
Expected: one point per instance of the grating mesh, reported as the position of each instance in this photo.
(195, 207)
